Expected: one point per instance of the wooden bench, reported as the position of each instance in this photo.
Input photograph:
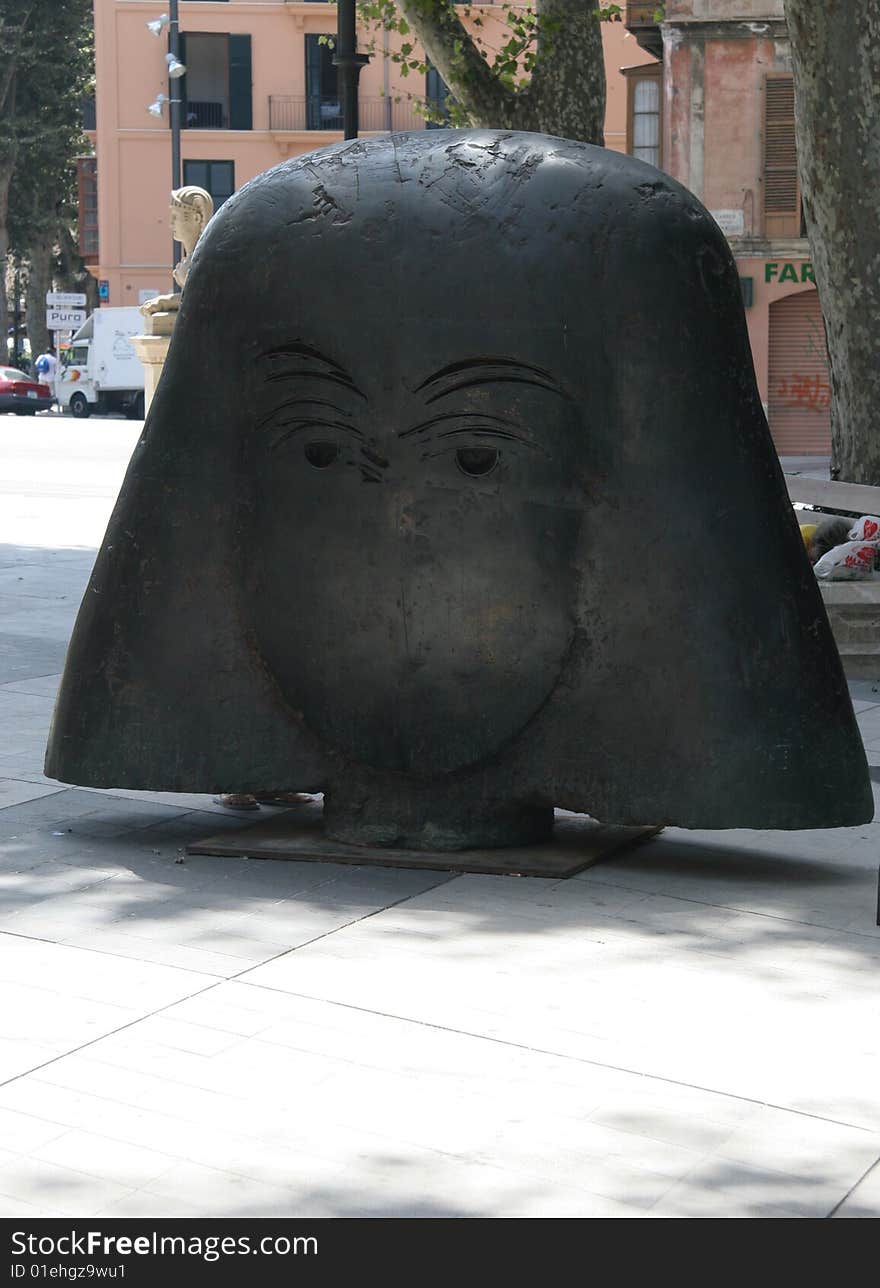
(853, 607)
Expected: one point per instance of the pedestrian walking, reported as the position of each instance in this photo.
(45, 367)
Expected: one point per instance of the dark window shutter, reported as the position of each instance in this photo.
(240, 111)
(782, 205)
(313, 81)
(181, 82)
(436, 94)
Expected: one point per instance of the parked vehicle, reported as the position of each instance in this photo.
(21, 394)
(100, 371)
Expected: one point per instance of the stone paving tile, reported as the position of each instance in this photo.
(864, 1198)
(45, 580)
(15, 792)
(62, 1191)
(145, 1127)
(798, 1145)
(61, 808)
(550, 1155)
(37, 615)
(120, 1162)
(865, 689)
(10, 1207)
(385, 1185)
(200, 960)
(24, 655)
(56, 975)
(37, 685)
(720, 1188)
(24, 1133)
(637, 996)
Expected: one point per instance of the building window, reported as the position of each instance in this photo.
(644, 116)
(216, 177)
(216, 90)
(323, 106)
(782, 196)
(87, 185)
(436, 94)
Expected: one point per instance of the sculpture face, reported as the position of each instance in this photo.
(191, 208)
(186, 223)
(433, 619)
(449, 531)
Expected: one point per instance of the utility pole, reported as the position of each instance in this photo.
(349, 62)
(174, 113)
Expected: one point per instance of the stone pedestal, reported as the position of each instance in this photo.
(152, 351)
(574, 843)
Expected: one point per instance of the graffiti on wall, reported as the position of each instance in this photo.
(811, 392)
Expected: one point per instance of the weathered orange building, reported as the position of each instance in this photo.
(719, 107)
(259, 87)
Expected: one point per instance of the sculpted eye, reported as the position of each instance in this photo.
(476, 460)
(321, 455)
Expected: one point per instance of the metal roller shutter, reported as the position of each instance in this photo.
(800, 387)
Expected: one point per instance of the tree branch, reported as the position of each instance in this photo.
(452, 51)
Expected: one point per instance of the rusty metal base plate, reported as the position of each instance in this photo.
(578, 842)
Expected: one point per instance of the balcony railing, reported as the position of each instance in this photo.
(203, 115)
(291, 113)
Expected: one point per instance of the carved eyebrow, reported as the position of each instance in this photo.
(289, 403)
(486, 371)
(485, 427)
(301, 424)
(297, 361)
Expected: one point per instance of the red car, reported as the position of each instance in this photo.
(21, 394)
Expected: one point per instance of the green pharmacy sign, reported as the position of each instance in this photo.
(799, 271)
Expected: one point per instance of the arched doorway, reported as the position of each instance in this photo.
(800, 387)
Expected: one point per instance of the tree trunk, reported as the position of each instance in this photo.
(73, 275)
(836, 61)
(6, 169)
(39, 281)
(566, 95)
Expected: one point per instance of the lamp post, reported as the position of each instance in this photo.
(174, 113)
(349, 62)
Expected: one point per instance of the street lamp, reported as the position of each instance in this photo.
(174, 110)
(176, 69)
(349, 62)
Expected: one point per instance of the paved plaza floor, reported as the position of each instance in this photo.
(690, 1029)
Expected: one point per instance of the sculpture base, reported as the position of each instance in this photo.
(152, 349)
(577, 842)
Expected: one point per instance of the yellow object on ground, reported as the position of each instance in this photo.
(808, 531)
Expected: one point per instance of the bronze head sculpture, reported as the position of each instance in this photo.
(457, 501)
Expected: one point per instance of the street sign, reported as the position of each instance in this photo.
(64, 319)
(65, 300)
(103, 288)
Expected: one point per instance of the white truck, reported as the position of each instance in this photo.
(100, 370)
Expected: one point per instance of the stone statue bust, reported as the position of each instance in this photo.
(481, 518)
(191, 208)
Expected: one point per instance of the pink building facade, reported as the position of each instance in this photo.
(259, 88)
(725, 127)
